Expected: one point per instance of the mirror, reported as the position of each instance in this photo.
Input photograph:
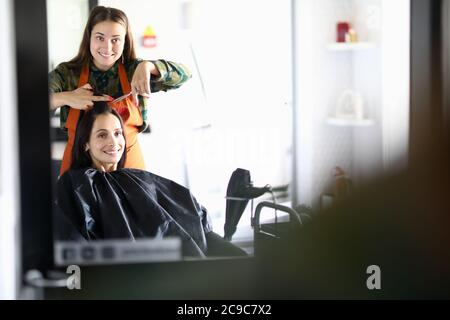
(235, 111)
(239, 110)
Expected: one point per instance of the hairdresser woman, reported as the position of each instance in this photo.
(106, 62)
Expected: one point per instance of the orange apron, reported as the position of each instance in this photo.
(131, 116)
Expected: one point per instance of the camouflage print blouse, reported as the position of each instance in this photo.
(172, 76)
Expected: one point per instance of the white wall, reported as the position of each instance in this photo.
(396, 74)
(65, 24)
(380, 74)
(322, 75)
(9, 177)
(367, 79)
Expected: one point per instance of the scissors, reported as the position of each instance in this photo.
(121, 97)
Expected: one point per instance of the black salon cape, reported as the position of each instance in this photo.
(128, 204)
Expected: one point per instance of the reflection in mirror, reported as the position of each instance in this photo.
(352, 95)
(349, 113)
(221, 119)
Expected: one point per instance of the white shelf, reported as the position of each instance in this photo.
(349, 46)
(350, 122)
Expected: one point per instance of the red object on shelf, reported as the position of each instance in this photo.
(149, 38)
(342, 29)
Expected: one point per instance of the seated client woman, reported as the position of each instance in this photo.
(99, 199)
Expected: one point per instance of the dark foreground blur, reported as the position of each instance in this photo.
(399, 223)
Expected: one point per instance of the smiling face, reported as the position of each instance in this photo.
(106, 142)
(107, 43)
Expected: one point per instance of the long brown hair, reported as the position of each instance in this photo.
(97, 15)
(80, 156)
